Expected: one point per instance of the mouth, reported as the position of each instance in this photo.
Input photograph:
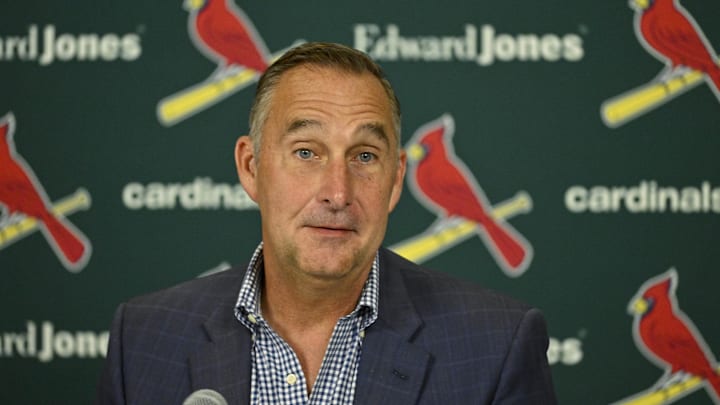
(331, 230)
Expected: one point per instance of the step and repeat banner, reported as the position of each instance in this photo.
(590, 128)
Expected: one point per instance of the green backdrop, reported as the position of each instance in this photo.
(557, 108)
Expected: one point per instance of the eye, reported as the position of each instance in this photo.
(304, 154)
(366, 157)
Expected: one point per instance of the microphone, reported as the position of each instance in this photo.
(205, 397)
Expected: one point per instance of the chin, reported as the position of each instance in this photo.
(333, 265)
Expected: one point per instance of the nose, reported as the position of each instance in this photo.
(336, 189)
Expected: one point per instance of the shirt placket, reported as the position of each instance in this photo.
(278, 365)
(277, 376)
(333, 385)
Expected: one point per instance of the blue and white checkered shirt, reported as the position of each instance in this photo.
(277, 377)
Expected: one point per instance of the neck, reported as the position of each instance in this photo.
(304, 312)
(291, 302)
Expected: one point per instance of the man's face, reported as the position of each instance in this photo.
(328, 173)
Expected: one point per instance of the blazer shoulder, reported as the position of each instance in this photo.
(429, 289)
(158, 339)
(194, 296)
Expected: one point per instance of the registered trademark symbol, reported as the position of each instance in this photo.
(582, 333)
(583, 29)
(140, 29)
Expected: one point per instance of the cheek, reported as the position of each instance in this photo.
(375, 197)
(283, 192)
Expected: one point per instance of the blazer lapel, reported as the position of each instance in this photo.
(392, 369)
(223, 363)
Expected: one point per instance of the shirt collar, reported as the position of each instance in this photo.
(248, 302)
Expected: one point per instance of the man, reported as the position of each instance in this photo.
(322, 314)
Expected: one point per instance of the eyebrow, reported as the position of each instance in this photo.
(300, 124)
(375, 128)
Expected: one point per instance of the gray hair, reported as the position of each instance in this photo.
(322, 54)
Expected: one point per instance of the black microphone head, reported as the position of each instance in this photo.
(205, 397)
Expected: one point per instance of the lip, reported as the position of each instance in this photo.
(329, 230)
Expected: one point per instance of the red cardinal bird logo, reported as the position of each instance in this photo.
(225, 34)
(668, 338)
(442, 182)
(22, 194)
(670, 33)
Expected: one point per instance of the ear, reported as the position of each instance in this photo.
(245, 163)
(399, 180)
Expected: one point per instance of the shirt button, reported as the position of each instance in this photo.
(291, 379)
(362, 334)
(252, 318)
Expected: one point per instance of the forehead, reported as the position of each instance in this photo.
(330, 96)
(323, 77)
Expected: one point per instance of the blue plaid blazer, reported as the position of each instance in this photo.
(437, 340)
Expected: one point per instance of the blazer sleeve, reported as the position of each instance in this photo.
(525, 377)
(110, 390)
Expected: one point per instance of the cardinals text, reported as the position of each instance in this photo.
(646, 197)
(202, 193)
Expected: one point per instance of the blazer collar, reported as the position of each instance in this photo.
(223, 362)
(392, 368)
